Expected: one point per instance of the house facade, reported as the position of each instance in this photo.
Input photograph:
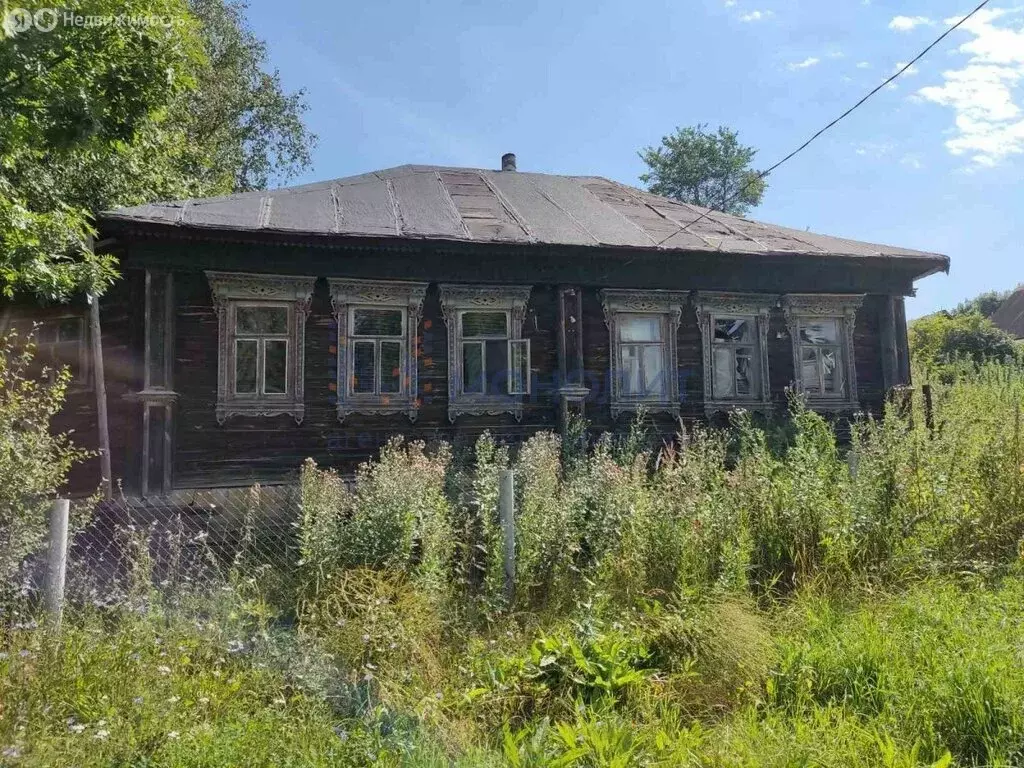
(252, 331)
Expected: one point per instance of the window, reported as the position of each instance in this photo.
(261, 330)
(642, 356)
(488, 360)
(377, 338)
(734, 332)
(821, 327)
(642, 328)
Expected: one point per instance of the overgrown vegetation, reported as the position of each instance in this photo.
(735, 598)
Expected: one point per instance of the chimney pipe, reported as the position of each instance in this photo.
(508, 162)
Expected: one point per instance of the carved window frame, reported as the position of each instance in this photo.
(753, 306)
(348, 295)
(668, 305)
(233, 289)
(842, 308)
(457, 299)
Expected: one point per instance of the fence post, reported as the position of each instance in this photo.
(57, 562)
(506, 507)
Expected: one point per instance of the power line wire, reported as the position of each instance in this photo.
(845, 114)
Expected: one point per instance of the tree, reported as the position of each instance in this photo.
(709, 169)
(159, 112)
(76, 91)
(944, 338)
(984, 304)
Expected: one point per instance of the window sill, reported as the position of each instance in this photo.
(261, 408)
(468, 405)
(375, 406)
(725, 406)
(647, 406)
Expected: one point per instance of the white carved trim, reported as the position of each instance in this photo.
(757, 305)
(347, 293)
(667, 303)
(456, 298)
(231, 288)
(841, 307)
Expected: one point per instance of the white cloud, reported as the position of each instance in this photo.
(730, 3)
(913, 162)
(863, 65)
(874, 148)
(907, 23)
(901, 64)
(810, 61)
(986, 93)
(755, 16)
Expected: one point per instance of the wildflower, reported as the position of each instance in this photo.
(204, 699)
(76, 728)
(174, 700)
(163, 669)
(235, 646)
(439, 695)
(137, 701)
(172, 735)
(11, 752)
(24, 653)
(3, 655)
(366, 638)
(279, 701)
(341, 733)
(101, 735)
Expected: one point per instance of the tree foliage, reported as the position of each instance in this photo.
(944, 338)
(706, 168)
(98, 116)
(984, 303)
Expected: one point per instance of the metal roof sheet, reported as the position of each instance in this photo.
(488, 206)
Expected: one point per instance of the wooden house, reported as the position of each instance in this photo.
(252, 331)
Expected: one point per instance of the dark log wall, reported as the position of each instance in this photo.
(245, 450)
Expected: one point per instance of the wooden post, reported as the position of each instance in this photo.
(890, 353)
(102, 427)
(57, 561)
(929, 412)
(506, 507)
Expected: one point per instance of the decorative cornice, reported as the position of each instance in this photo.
(458, 296)
(615, 300)
(389, 293)
(241, 286)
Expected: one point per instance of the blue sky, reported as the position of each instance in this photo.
(578, 87)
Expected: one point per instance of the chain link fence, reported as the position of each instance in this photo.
(187, 539)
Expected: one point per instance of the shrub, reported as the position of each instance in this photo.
(34, 462)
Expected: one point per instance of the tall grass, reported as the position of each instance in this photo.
(746, 596)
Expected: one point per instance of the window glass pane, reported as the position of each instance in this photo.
(472, 368)
(809, 369)
(245, 367)
(496, 374)
(363, 367)
(819, 331)
(70, 329)
(483, 324)
(390, 366)
(377, 322)
(738, 329)
(655, 376)
(629, 370)
(275, 366)
(639, 328)
(262, 319)
(830, 370)
(724, 376)
(520, 368)
(745, 374)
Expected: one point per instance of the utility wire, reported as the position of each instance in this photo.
(845, 114)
